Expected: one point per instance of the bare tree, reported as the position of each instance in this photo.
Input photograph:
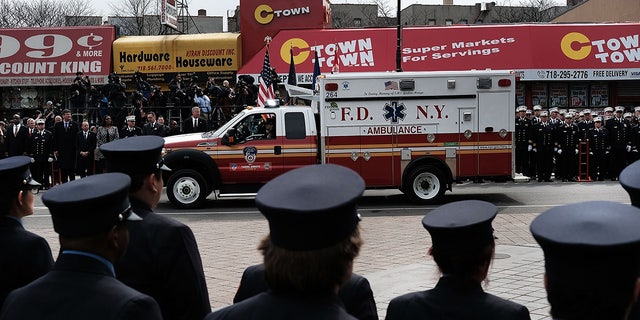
(136, 17)
(41, 13)
(527, 11)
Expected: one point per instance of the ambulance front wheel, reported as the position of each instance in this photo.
(187, 189)
(425, 185)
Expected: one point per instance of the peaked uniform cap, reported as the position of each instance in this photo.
(630, 181)
(134, 155)
(89, 205)
(462, 225)
(15, 174)
(311, 207)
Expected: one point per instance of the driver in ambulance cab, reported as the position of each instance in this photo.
(270, 128)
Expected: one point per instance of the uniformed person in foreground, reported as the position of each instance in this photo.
(163, 260)
(591, 251)
(463, 247)
(92, 225)
(24, 256)
(313, 239)
(630, 181)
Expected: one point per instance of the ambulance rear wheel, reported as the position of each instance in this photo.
(425, 185)
(187, 189)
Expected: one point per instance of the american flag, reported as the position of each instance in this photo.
(266, 81)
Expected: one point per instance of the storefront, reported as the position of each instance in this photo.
(39, 64)
(160, 58)
(565, 66)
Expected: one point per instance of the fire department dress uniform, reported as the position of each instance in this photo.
(42, 152)
(308, 209)
(24, 256)
(598, 152)
(356, 295)
(630, 181)
(523, 142)
(162, 260)
(567, 149)
(619, 131)
(82, 284)
(462, 227)
(543, 144)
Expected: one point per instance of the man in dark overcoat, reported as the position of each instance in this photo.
(163, 260)
(64, 147)
(24, 256)
(92, 227)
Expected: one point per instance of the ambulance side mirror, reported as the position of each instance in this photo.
(229, 138)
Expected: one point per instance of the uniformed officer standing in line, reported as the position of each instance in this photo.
(163, 260)
(533, 159)
(543, 144)
(313, 239)
(463, 247)
(585, 124)
(608, 114)
(619, 132)
(42, 154)
(598, 137)
(130, 129)
(592, 257)
(567, 149)
(24, 256)
(523, 141)
(92, 225)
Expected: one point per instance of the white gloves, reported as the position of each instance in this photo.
(530, 148)
(33, 160)
(50, 159)
(559, 151)
(628, 148)
(535, 150)
(577, 151)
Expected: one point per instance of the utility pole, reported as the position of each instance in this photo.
(398, 59)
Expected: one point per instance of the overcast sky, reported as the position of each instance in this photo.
(220, 7)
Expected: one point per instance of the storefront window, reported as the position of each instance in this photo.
(520, 98)
(579, 95)
(558, 95)
(539, 94)
(599, 95)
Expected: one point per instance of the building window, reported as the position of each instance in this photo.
(448, 22)
(431, 22)
(357, 22)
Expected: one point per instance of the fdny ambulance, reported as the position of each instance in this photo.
(418, 132)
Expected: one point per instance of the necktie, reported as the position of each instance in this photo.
(195, 123)
(85, 136)
(15, 131)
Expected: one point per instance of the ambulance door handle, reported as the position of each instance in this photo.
(277, 150)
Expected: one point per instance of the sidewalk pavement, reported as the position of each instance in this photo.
(393, 257)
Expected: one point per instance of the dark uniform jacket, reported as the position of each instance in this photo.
(356, 295)
(78, 287)
(187, 125)
(598, 139)
(269, 305)
(452, 300)
(127, 132)
(163, 261)
(64, 141)
(25, 256)
(41, 146)
(523, 132)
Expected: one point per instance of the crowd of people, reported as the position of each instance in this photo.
(575, 145)
(64, 148)
(120, 260)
